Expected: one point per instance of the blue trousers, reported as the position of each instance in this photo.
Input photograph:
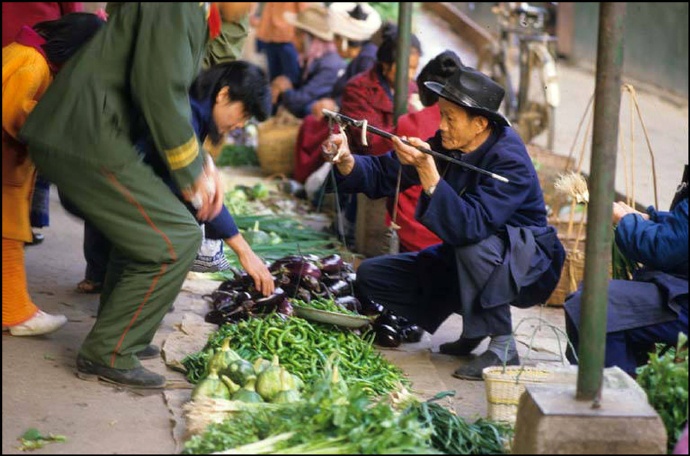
(424, 286)
(630, 348)
(282, 58)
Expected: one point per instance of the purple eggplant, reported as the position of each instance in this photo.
(215, 317)
(340, 288)
(270, 303)
(331, 264)
(411, 334)
(300, 269)
(370, 308)
(285, 308)
(387, 336)
(387, 318)
(311, 283)
(350, 303)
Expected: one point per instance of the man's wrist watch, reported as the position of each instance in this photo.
(430, 191)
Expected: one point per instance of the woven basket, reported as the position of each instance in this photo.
(504, 386)
(276, 143)
(573, 271)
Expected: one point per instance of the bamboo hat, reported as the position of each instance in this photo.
(313, 19)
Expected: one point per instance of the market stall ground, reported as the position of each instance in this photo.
(40, 389)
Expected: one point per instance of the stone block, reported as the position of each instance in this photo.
(551, 421)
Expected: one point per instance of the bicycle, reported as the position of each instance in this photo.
(531, 108)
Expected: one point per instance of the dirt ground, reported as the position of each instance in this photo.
(39, 386)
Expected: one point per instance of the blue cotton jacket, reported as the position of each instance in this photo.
(318, 83)
(468, 207)
(659, 243)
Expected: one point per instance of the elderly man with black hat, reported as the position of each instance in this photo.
(497, 251)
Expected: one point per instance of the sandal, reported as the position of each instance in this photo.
(89, 287)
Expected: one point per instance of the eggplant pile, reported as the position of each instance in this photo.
(391, 330)
(306, 277)
(302, 277)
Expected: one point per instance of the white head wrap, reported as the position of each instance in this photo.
(343, 24)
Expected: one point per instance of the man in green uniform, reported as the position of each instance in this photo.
(131, 79)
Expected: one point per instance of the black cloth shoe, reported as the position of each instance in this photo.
(139, 377)
(150, 352)
(473, 369)
(461, 347)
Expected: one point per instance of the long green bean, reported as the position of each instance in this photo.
(301, 345)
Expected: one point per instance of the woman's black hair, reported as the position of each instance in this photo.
(66, 35)
(387, 52)
(246, 82)
(438, 69)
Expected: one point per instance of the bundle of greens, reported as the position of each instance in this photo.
(665, 380)
(451, 434)
(333, 419)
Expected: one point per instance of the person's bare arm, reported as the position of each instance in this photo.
(234, 11)
(255, 267)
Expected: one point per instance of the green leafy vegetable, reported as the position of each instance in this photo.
(665, 380)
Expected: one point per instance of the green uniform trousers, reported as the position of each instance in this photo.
(155, 240)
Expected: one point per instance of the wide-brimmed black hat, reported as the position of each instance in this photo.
(472, 90)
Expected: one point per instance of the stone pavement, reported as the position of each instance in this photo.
(39, 388)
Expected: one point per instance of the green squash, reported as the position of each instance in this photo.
(247, 393)
(212, 386)
(239, 371)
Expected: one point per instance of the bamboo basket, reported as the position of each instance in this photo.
(276, 142)
(571, 232)
(505, 385)
(573, 271)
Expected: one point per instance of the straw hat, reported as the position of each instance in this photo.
(313, 19)
(354, 21)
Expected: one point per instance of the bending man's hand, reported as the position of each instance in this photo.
(257, 269)
(206, 195)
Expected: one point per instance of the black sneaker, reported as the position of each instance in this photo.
(139, 377)
(473, 369)
(461, 347)
(150, 352)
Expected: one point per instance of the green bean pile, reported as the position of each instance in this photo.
(327, 304)
(303, 348)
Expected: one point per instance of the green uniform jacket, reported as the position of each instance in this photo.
(118, 88)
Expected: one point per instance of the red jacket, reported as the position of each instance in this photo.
(413, 235)
(365, 98)
(17, 14)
